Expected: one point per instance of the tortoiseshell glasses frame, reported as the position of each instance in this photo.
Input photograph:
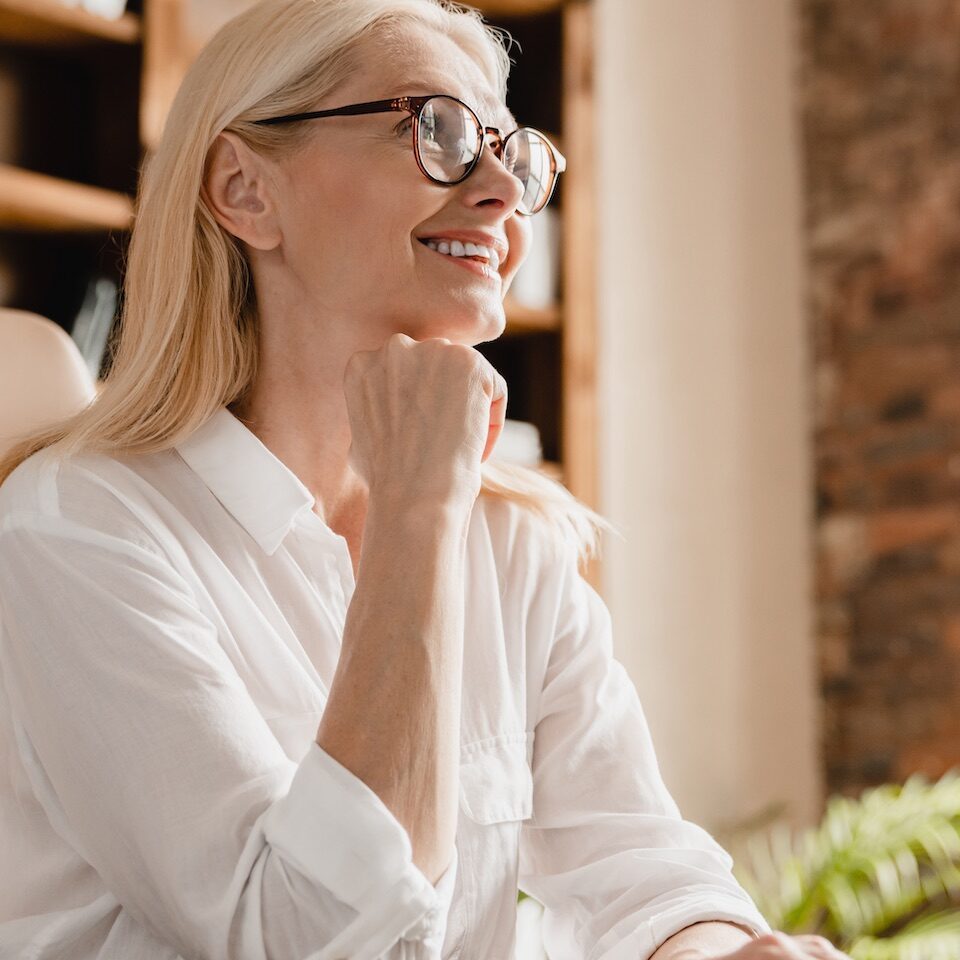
(414, 106)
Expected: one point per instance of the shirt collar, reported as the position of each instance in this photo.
(257, 488)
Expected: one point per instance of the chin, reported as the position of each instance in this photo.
(478, 325)
(490, 326)
(495, 328)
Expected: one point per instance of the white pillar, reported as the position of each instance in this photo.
(706, 459)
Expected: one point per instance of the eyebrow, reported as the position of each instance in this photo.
(416, 88)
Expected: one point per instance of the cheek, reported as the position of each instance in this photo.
(365, 208)
(335, 219)
(326, 186)
(520, 237)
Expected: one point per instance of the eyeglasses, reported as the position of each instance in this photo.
(448, 139)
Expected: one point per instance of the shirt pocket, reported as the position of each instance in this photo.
(496, 783)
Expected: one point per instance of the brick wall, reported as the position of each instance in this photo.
(880, 103)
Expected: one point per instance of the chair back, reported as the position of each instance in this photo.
(43, 376)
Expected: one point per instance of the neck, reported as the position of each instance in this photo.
(313, 440)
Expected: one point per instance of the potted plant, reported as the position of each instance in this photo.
(879, 876)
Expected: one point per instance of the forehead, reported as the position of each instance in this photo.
(423, 61)
(490, 111)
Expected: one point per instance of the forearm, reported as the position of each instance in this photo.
(393, 714)
(703, 941)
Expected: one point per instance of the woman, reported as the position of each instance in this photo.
(287, 673)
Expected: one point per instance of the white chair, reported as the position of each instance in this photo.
(43, 376)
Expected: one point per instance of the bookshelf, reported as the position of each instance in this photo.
(48, 22)
(31, 200)
(550, 356)
(88, 99)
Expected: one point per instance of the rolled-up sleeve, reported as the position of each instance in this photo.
(150, 758)
(607, 853)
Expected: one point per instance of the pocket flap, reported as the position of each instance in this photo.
(495, 779)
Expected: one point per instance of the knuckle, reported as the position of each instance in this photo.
(359, 361)
(354, 361)
(398, 340)
(469, 360)
(773, 939)
(822, 945)
(464, 351)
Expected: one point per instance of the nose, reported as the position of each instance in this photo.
(490, 177)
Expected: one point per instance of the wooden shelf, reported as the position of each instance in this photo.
(553, 92)
(34, 201)
(553, 470)
(521, 319)
(50, 23)
(515, 8)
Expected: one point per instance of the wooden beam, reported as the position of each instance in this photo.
(552, 470)
(50, 23)
(515, 8)
(521, 319)
(581, 418)
(166, 56)
(34, 201)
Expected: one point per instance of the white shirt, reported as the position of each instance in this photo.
(171, 625)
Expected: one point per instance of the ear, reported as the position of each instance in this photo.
(237, 189)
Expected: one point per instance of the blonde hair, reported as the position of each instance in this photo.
(188, 333)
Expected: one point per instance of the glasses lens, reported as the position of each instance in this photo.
(448, 138)
(527, 156)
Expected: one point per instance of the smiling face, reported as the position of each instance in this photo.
(351, 207)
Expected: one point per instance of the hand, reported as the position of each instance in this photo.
(424, 415)
(782, 946)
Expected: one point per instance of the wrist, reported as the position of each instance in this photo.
(705, 940)
(433, 520)
(386, 501)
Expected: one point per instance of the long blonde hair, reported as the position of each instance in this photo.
(188, 335)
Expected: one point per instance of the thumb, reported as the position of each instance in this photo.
(498, 414)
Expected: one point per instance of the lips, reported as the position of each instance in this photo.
(494, 241)
(476, 265)
(448, 247)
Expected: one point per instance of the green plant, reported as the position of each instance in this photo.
(880, 876)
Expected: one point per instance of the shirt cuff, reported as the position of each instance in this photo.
(334, 829)
(431, 928)
(641, 942)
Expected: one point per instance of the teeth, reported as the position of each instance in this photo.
(455, 248)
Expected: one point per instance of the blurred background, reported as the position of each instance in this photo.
(738, 337)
